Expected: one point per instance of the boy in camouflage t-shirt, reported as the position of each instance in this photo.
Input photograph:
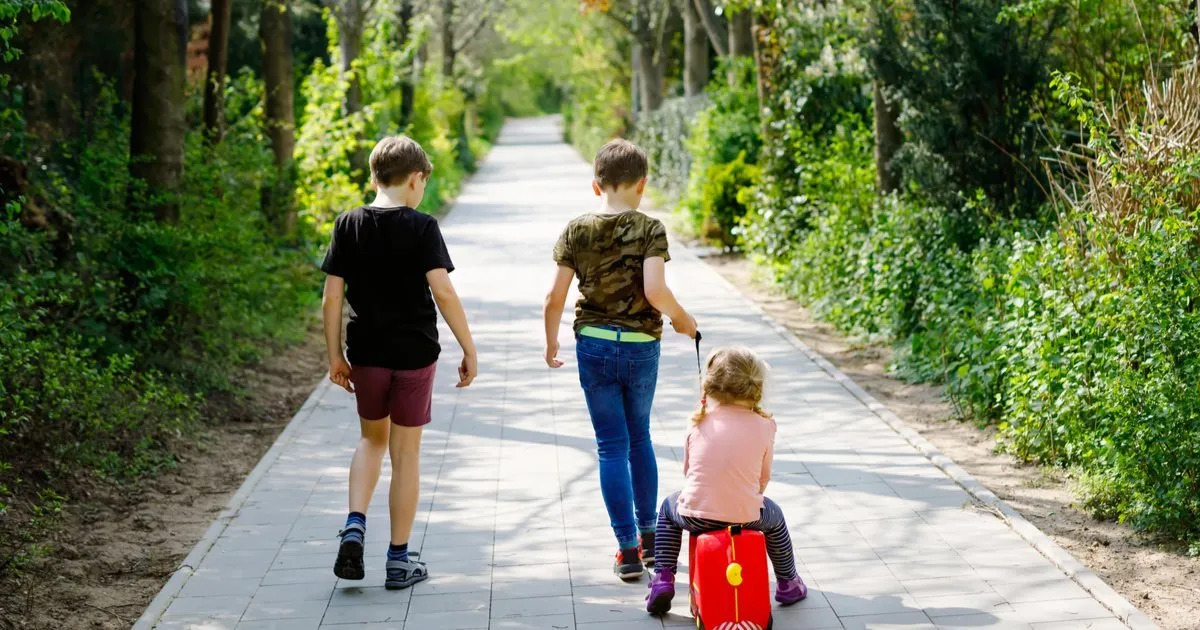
(619, 255)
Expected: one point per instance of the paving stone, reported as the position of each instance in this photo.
(800, 619)
(532, 606)
(1060, 610)
(885, 603)
(889, 621)
(210, 584)
(1108, 623)
(217, 607)
(980, 621)
(359, 596)
(196, 622)
(294, 592)
(310, 623)
(380, 625)
(300, 609)
(530, 588)
(323, 575)
(365, 613)
(1034, 591)
(547, 622)
(452, 620)
(424, 604)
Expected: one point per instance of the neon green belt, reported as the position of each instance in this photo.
(615, 335)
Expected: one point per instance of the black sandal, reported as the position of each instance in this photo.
(401, 574)
(349, 563)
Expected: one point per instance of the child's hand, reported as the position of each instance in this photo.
(339, 373)
(551, 355)
(685, 325)
(467, 370)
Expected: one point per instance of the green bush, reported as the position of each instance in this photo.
(971, 86)
(722, 200)
(663, 135)
(113, 324)
(722, 144)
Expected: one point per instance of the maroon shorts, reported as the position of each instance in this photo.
(404, 395)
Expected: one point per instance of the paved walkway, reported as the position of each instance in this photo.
(511, 521)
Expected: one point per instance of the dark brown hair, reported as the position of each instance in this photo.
(620, 163)
(395, 158)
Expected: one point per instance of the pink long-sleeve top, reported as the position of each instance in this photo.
(727, 464)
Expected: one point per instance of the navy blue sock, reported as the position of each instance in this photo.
(398, 552)
(356, 527)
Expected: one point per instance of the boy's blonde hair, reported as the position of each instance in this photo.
(395, 158)
(733, 374)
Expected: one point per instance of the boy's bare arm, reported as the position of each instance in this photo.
(452, 311)
(552, 312)
(654, 272)
(331, 314)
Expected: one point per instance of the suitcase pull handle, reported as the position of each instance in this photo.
(735, 530)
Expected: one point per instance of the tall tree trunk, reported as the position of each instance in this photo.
(407, 80)
(887, 139)
(350, 44)
(635, 88)
(158, 126)
(653, 74)
(764, 61)
(276, 33)
(214, 83)
(695, 51)
(713, 25)
(741, 40)
(350, 16)
(880, 53)
(448, 54)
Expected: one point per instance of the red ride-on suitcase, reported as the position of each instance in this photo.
(728, 579)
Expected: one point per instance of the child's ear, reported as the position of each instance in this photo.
(596, 187)
(641, 187)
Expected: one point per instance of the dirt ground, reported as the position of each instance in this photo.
(1161, 581)
(116, 547)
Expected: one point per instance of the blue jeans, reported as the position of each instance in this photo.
(618, 380)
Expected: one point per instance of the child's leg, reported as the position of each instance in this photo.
(779, 542)
(668, 537)
(368, 459)
(607, 411)
(406, 481)
(411, 406)
(643, 466)
(372, 387)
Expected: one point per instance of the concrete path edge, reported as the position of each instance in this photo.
(180, 576)
(1080, 574)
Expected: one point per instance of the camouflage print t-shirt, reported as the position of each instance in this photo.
(607, 251)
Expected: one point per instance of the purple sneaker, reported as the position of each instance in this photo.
(662, 590)
(790, 591)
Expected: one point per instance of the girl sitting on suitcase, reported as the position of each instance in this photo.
(727, 464)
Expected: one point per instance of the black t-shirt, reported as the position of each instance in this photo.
(383, 254)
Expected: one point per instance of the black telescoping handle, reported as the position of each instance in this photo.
(698, 368)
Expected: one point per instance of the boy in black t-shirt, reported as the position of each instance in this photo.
(390, 262)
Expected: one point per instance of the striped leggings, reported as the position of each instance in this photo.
(668, 538)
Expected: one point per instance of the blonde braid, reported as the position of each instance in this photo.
(698, 417)
(733, 375)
